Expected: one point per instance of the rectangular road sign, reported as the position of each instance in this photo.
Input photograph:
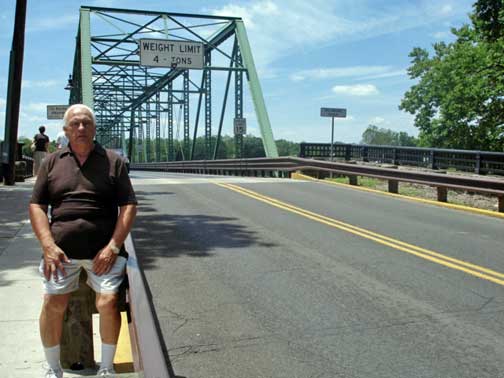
(170, 53)
(240, 126)
(333, 112)
(56, 111)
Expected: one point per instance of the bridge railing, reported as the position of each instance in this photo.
(284, 166)
(480, 162)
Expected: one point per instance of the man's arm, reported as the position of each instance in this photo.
(106, 257)
(53, 255)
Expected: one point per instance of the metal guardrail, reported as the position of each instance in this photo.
(29, 166)
(480, 162)
(150, 356)
(284, 166)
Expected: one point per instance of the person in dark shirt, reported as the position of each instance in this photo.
(41, 143)
(84, 185)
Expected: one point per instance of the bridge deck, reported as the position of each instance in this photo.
(271, 278)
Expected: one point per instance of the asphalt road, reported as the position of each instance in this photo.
(279, 278)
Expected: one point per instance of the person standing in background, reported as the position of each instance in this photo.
(62, 138)
(41, 144)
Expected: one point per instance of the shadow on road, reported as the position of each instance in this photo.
(166, 235)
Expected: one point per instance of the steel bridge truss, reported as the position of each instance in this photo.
(152, 107)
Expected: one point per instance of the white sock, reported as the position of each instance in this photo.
(52, 355)
(107, 355)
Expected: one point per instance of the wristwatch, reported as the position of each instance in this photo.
(114, 249)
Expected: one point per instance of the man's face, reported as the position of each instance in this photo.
(81, 128)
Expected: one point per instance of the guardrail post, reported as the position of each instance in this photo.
(442, 194)
(77, 350)
(348, 152)
(19, 171)
(477, 169)
(393, 186)
(353, 180)
(501, 204)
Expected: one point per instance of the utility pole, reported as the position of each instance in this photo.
(8, 157)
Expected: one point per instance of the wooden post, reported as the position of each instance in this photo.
(352, 180)
(393, 186)
(442, 194)
(77, 350)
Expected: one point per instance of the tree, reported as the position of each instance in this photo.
(26, 149)
(253, 147)
(387, 137)
(458, 101)
(287, 148)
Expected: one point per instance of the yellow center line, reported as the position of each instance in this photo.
(423, 253)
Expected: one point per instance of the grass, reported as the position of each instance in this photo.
(423, 191)
(367, 182)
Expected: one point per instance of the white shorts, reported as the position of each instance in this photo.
(105, 284)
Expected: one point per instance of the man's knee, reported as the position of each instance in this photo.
(55, 304)
(106, 303)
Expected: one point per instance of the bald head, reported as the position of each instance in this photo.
(78, 108)
(80, 125)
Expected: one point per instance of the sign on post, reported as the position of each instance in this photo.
(240, 126)
(56, 111)
(170, 53)
(333, 112)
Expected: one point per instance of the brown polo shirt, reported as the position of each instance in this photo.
(84, 199)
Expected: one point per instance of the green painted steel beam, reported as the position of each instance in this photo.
(156, 13)
(173, 74)
(85, 59)
(256, 92)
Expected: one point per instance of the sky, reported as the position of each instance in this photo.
(349, 54)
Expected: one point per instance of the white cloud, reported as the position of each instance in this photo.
(376, 120)
(38, 83)
(441, 35)
(339, 72)
(446, 9)
(393, 73)
(283, 27)
(2, 103)
(356, 90)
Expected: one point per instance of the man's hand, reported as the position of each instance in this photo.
(103, 261)
(54, 257)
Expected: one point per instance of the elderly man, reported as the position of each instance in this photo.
(85, 185)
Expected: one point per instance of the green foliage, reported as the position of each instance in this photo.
(286, 148)
(488, 19)
(26, 149)
(458, 101)
(252, 147)
(381, 136)
(26, 145)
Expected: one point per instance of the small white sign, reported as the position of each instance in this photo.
(56, 111)
(168, 53)
(240, 126)
(333, 112)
